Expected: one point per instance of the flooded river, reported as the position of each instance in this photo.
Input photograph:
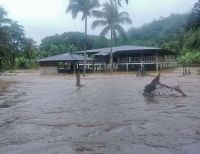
(107, 115)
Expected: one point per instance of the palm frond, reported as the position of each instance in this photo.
(81, 6)
(3, 13)
(121, 30)
(123, 14)
(97, 23)
(111, 17)
(5, 21)
(105, 31)
(119, 2)
(98, 14)
(94, 4)
(124, 20)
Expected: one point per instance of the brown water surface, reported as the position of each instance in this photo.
(107, 115)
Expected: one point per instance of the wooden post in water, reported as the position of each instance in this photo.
(78, 80)
(127, 67)
(93, 66)
(157, 63)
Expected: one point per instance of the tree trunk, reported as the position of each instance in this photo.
(29, 59)
(85, 47)
(13, 60)
(111, 50)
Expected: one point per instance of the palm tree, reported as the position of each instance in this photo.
(3, 19)
(85, 7)
(16, 40)
(29, 48)
(4, 36)
(111, 19)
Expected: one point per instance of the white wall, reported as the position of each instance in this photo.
(48, 70)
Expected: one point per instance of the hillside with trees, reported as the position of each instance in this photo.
(70, 42)
(165, 32)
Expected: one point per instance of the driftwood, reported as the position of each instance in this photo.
(156, 88)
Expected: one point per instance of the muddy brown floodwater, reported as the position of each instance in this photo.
(107, 115)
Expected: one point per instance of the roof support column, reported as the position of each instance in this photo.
(93, 66)
(127, 69)
(157, 62)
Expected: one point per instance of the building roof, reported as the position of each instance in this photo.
(65, 57)
(106, 51)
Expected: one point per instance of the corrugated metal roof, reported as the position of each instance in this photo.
(106, 51)
(92, 50)
(65, 57)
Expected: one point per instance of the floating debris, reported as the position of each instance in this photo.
(156, 88)
(83, 148)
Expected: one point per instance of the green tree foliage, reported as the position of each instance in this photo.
(22, 63)
(111, 19)
(17, 36)
(165, 32)
(70, 42)
(12, 41)
(29, 48)
(4, 37)
(194, 18)
(191, 38)
(190, 57)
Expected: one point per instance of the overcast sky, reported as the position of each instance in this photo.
(42, 18)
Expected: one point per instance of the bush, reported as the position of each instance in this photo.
(33, 64)
(190, 57)
(22, 63)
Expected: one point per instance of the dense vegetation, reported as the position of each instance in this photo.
(15, 48)
(165, 32)
(69, 42)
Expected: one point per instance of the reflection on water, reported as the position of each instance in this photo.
(108, 115)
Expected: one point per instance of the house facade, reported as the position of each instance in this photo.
(125, 58)
(132, 58)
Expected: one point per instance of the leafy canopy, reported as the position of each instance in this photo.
(82, 6)
(110, 18)
(194, 18)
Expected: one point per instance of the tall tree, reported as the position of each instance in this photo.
(29, 48)
(16, 40)
(85, 7)
(4, 39)
(194, 18)
(3, 19)
(111, 19)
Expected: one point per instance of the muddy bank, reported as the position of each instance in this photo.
(107, 115)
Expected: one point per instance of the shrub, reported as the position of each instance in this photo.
(21, 63)
(190, 57)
